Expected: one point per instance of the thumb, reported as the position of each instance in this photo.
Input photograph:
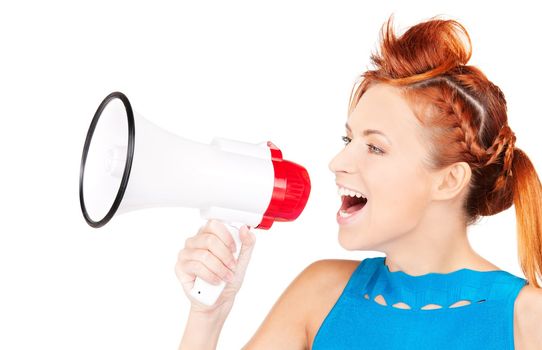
(248, 241)
(248, 237)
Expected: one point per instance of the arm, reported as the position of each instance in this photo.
(203, 329)
(528, 319)
(209, 255)
(283, 328)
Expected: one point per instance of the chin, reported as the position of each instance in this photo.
(351, 239)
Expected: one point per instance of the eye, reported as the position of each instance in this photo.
(374, 149)
(346, 140)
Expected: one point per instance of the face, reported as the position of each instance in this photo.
(388, 170)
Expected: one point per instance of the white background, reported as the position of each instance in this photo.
(245, 70)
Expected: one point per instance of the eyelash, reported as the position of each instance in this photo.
(347, 140)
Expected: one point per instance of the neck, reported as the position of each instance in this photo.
(434, 247)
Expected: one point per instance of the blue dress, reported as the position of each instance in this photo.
(357, 321)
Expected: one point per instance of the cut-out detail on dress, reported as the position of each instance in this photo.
(401, 305)
(460, 303)
(380, 299)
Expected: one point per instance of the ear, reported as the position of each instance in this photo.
(450, 181)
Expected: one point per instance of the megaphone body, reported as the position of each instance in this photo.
(129, 164)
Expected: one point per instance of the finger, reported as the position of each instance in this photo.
(212, 263)
(218, 228)
(248, 238)
(196, 268)
(210, 242)
(184, 274)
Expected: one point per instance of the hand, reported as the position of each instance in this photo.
(209, 255)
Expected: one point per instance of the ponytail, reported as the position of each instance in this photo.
(527, 201)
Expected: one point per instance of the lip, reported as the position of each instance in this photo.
(348, 220)
(351, 218)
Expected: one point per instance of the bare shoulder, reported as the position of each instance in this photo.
(296, 316)
(329, 274)
(528, 318)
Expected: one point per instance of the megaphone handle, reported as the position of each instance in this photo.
(207, 293)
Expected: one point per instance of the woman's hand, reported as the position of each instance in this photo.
(209, 255)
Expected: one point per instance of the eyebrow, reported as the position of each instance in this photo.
(367, 132)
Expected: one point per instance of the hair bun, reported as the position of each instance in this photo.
(425, 50)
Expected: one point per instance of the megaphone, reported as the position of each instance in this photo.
(235, 182)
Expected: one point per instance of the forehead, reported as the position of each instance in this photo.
(383, 108)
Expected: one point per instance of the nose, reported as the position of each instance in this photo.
(342, 162)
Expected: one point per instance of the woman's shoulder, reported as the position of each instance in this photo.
(303, 306)
(330, 274)
(528, 318)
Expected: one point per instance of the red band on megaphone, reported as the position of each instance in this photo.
(290, 192)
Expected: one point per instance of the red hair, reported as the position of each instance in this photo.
(465, 120)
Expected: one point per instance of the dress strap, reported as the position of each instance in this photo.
(360, 277)
(506, 287)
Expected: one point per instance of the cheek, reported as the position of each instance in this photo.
(399, 198)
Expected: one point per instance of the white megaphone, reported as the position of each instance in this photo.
(235, 182)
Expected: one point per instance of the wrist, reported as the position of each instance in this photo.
(203, 327)
(217, 314)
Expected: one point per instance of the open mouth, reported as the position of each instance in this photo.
(352, 204)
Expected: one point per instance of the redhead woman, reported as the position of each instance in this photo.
(428, 152)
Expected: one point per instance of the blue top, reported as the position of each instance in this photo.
(357, 321)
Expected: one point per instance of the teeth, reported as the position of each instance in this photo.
(343, 214)
(346, 192)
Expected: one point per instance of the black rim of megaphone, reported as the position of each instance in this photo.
(129, 158)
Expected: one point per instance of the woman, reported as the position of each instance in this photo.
(428, 152)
